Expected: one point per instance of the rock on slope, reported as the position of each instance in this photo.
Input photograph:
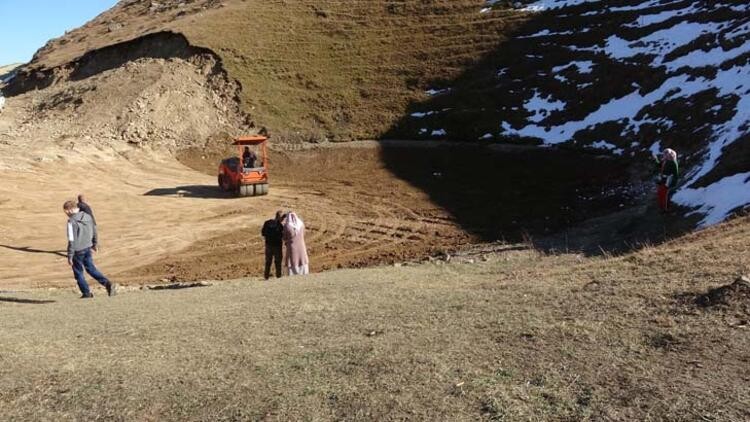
(628, 77)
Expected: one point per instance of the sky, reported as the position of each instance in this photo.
(26, 25)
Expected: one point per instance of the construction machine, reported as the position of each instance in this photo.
(246, 174)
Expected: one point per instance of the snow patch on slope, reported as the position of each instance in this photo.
(542, 5)
(671, 46)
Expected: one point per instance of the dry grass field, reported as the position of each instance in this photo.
(498, 282)
(514, 335)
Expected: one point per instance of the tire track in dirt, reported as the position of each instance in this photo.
(160, 220)
(350, 223)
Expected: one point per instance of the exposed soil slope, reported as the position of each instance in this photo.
(157, 91)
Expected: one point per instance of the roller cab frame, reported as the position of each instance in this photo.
(246, 181)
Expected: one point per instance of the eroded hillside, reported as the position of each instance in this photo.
(309, 70)
(128, 94)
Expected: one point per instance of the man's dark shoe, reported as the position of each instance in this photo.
(111, 289)
(88, 296)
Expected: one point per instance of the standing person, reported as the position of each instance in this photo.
(296, 251)
(81, 232)
(669, 172)
(272, 232)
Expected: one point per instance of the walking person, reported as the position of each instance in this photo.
(81, 232)
(296, 251)
(669, 172)
(272, 232)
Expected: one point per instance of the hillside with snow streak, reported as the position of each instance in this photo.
(627, 77)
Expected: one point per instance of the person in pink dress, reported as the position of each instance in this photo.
(296, 251)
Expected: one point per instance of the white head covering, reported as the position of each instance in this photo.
(669, 154)
(294, 223)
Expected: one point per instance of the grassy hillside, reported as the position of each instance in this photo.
(312, 69)
(514, 335)
(626, 79)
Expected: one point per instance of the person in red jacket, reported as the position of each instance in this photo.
(669, 172)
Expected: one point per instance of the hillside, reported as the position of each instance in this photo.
(6, 73)
(660, 334)
(309, 70)
(626, 77)
(492, 252)
(7, 70)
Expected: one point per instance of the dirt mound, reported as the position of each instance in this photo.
(157, 91)
(735, 295)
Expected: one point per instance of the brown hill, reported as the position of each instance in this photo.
(308, 69)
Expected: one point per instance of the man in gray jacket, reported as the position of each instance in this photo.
(81, 232)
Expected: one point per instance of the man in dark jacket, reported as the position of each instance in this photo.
(272, 232)
(81, 232)
(248, 158)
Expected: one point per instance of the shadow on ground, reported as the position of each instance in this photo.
(28, 249)
(620, 231)
(179, 286)
(191, 191)
(25, 301)
(554, 199)
(510, 194)
(505, 194)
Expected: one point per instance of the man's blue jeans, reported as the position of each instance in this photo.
(83, 260)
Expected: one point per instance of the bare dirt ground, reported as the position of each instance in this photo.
(160, 220)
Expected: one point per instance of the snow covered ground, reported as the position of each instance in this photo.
(683, 41)
(627, 78)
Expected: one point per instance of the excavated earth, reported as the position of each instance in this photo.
(163, 221)
(140, 127)
(145, 151)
